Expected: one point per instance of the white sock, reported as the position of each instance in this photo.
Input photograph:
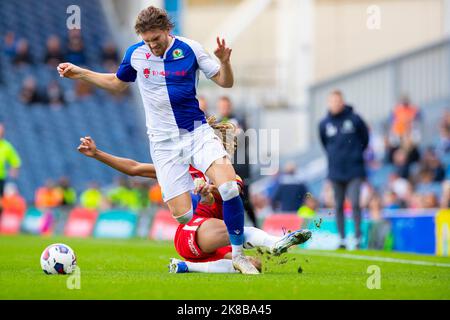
(237, 250)
(219, 266)
(254, 237)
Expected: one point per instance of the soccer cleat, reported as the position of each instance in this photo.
(289, 240)
(342, 245)
(177, 266)
(243, 265)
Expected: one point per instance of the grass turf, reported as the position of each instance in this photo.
(137, 269)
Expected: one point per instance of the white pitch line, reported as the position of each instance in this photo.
(374, 258)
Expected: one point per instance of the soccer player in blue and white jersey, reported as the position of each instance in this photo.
(166, 68)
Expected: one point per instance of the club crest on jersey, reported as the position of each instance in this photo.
(146, 72)
(348, 127)
(148, 55)
(177, 54)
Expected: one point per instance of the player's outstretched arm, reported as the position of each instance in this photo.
(224, 77)
(107, 81)
(127, 166)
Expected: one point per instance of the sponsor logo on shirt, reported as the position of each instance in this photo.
(146, 72)
(163, 73)
(191, 245)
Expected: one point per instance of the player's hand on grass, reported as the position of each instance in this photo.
(69, 70)
(87, 147)
(222, 52)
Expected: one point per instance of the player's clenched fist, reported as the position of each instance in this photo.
(69, 70)
(87, 146)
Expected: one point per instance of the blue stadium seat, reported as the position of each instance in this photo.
(46, 138)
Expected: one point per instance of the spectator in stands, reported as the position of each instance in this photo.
(53, 54)
(404, 118)
(69, 195)
(261, 204)
(400, 186)
(290, 193)
(309, 207)
(379, 229)
(391, 200)
(404, 156)
(226, 113)
(401, 164)
(241, 161)
(55, 95)
(10, 44)
(9, 160)
(426, 183)
(415, 201)
(109, 55)
(83, 90)
(444, 134)
(91, 198)
(327, 195)
(12, 200)
(48, 196)
(431, 162)
(155, 194)
(22, 56)
(345, 136)
(203, 105)
(75, 48)
(430, 201)
(445, 198)
(122, 196)
(29, 94)
(140, 191)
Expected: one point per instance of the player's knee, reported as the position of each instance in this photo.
(229, 190)
(183, 217)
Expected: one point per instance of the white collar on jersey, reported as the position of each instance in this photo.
(169, 47)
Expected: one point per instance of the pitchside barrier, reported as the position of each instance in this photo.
(397, 231)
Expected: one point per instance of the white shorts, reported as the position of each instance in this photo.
(171, 158)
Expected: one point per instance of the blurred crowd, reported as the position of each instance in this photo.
(125, 193)
(419, 175)
(33, 91)
(418, 178)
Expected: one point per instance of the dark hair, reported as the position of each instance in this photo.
(152, 18)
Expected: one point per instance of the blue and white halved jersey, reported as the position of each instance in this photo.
(168, 84)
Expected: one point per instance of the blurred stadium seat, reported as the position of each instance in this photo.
(46, 138)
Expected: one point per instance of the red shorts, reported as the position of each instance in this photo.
(186, 243)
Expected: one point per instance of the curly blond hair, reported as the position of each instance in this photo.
(226, 131)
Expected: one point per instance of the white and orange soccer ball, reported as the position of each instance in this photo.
(58, 258)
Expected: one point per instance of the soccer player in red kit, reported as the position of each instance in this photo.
(204, 240)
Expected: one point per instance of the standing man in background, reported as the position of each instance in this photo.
(345, 136)
(8, 156)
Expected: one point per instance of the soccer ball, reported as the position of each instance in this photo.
(58, 258)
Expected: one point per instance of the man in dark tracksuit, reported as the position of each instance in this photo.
(344, 136)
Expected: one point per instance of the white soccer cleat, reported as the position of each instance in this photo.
(289, 240)
(243, 265)
(177, 266)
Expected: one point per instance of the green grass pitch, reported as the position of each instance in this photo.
(137, 269)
